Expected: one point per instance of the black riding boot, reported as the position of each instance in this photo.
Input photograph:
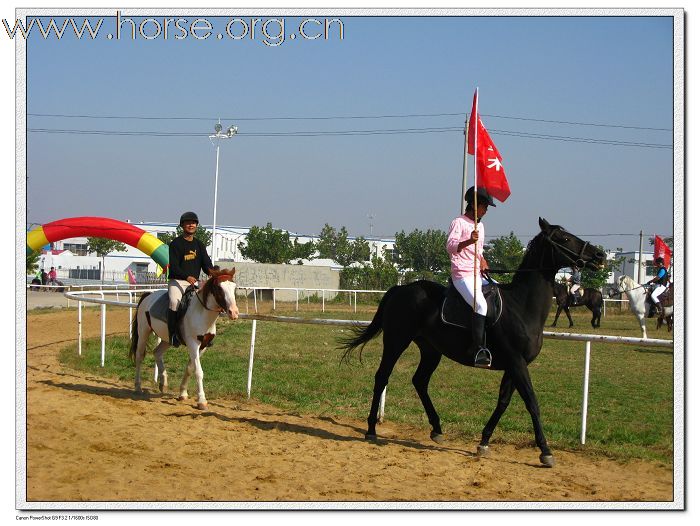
(172, 328)
(482, 356)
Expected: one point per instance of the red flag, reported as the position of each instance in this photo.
(662, 250)
(491, 174)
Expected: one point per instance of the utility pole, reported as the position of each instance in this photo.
(639, 268)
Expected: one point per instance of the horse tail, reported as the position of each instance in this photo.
(135, 329)
(360, 336)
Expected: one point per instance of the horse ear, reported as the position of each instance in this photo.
(544, 225)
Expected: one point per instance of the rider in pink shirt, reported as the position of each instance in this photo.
(463, 238)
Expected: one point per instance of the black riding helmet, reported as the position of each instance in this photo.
(482, 196)
(188, 216)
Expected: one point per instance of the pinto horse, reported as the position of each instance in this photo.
(411, 313)
(198, 328)
(592, 298)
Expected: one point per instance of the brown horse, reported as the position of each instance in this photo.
(592, 298)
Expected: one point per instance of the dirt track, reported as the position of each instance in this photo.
(91, 439)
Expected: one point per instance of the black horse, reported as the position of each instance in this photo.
(412, 313)
(592, 298)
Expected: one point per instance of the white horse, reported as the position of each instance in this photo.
(198, 328)
(636, 294)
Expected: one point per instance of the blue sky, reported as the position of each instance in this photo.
(596, 70)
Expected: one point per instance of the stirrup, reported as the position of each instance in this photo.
(482, 359)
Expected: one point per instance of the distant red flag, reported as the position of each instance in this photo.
(491, 174)
(662, 250)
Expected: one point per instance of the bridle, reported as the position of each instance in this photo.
(219, 310)
(567, 253)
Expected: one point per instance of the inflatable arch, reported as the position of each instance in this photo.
(99, 227)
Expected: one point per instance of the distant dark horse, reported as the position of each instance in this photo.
(592, 298)
(412, 313)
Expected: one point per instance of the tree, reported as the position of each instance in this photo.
(102, 246)
(504, 253)
(202, 234)
(270, 245)
(335, 245)
(597, 279)
(32, 263)
(378, 274)
(422, 255)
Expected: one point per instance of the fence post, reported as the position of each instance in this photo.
(586, 376)
(382, 401)
(80, 328)
(274, 302)
(103, 330)
(250, 359)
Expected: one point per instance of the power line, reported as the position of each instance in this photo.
(338, 117)
(394, 131)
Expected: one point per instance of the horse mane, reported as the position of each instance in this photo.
(213, 284)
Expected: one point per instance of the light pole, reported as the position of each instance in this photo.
(232, 130)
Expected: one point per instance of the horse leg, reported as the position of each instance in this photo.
(554, 323)
(193, 346)
(504, 395)
(595, 321)
(643, 325)
(160, 364)
(429, 360)
(140, 354)
(523, 383)
(390, 356)
(568, 315)
(185, 379)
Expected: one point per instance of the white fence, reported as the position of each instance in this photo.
(91, 297)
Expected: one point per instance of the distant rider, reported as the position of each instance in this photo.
(659, 282)
(575, 280)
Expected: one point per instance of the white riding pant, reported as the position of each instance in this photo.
(176, 289)
(657, 292)
(574, 288)
(466, 288)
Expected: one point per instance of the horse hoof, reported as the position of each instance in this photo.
(202, 406)
(437, 437)
(483, 451)
(547, 460)
(370, 436)
(181, 398)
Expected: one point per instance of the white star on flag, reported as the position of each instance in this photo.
(495, 163)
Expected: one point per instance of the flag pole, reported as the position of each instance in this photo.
(476, 213)
(464, 165)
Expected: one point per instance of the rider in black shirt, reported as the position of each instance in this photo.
(187, 259)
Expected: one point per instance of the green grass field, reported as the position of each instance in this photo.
(297, 367)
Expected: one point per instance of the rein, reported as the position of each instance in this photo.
(220, 309)
(580, 262)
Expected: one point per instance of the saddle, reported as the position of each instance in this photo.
(159, 309)
(455, 311)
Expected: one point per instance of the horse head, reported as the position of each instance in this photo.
(625, 283)
(568, 249)
(221, 287)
